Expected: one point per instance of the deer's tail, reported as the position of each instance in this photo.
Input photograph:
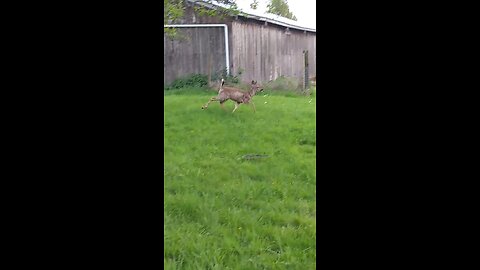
(221, 86)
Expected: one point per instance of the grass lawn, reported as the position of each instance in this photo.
(226, 208)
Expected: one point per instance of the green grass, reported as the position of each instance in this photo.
(226, 212)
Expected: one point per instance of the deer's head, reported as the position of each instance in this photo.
(256, 87)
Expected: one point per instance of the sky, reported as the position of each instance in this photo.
(304, 10)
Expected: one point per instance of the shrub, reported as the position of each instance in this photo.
(194, 80)
(229, 79)
(282, 83)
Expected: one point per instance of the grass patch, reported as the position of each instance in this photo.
(225, 211)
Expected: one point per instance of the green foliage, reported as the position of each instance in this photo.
(232, 79)
(282, 83)
(188, 91)
(230, 9)
(195, 80)
(229, 79)
(290, 87)
(173, 11)
(254, 4)
(280, 7)
(225, 211)
(310, 91)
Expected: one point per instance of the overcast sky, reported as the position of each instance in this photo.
(304, 10)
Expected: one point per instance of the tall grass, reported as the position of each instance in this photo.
(225, 207)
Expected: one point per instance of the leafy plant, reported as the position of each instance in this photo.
(174, 10)
(194, 80)
(229, 79)
(280, 7)
(282, 83)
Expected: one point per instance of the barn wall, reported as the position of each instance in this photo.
(265, 52)
(190, 54)
(262, 52)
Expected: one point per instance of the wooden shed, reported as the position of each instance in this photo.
(258, 47)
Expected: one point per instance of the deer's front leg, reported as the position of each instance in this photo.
(221, 105)
(253, 106)
(206, 105)
(236, 106)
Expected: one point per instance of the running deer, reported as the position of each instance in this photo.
(225, 93)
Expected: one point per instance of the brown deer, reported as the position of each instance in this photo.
(225, 93)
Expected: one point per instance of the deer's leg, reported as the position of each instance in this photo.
(206, 105)
(221, 105)
(236, 106)
(253, 106)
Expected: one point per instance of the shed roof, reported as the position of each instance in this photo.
(259, 16)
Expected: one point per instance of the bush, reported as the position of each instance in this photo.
(288, 86)
(229, 79)
(194, 80)
(282, 83)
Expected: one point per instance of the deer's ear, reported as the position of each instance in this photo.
(253, 82)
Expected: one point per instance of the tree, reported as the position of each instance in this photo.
(280, 7)
(174, 10)
(254, 4)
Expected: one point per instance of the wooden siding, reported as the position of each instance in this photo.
(265, 52)
(190, 55)
(262, 52)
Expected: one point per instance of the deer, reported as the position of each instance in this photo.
(236, 95)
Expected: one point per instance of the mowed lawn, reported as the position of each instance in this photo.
(226, 208)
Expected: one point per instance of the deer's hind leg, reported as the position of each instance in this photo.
(212, 99)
